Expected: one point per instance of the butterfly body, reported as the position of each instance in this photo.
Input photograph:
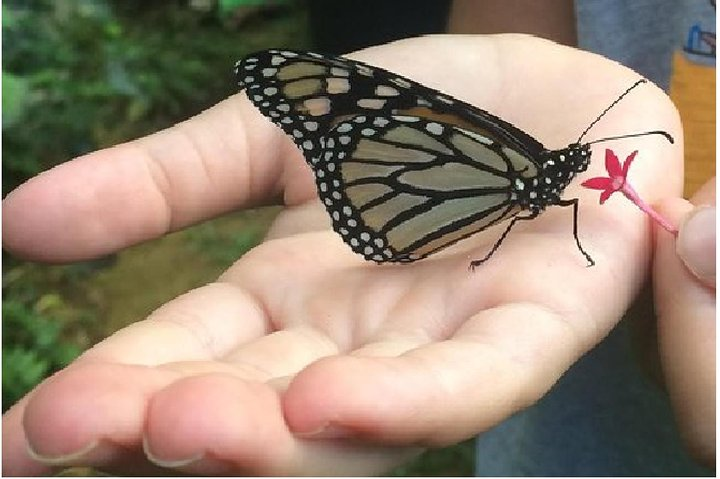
(402, 169)
(557, 169)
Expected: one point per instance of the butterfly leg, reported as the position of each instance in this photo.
(477, 262)
(574, 203)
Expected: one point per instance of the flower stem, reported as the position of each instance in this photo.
(632, 195)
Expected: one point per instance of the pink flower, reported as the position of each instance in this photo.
(617, 181)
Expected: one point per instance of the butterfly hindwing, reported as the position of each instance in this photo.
(399, 188)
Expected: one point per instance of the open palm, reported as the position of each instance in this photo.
(303, 358)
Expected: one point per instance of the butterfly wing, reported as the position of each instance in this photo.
(399, 188)
(307, 94)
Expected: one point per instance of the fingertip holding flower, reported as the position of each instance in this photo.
(696, 243)
(617, 181)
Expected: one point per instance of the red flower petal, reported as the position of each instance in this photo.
(628, 161)
(605, 195)
(598, 183)
(612, 164)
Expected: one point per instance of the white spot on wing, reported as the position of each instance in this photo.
(317, 106)
(384, 90)
(434, 128)
(371, 103)
(478, 137)
(337, 85)
(339, 72)
(401, 82)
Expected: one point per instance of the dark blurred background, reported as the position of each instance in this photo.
(79, 75)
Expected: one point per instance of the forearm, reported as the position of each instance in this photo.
(551, 19)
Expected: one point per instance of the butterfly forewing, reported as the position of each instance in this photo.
(307, 94)
(399, 188)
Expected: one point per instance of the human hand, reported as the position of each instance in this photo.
(684, 282)
(303, 358)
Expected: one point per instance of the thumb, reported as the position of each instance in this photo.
(696, 243)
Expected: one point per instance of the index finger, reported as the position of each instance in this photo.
(228, 157)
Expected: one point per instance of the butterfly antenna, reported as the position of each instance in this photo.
(665, 134)
(639, 82)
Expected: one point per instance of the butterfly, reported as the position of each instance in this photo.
(405, 170)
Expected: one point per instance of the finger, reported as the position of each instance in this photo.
(225, 158)
(16, 461)
(217, 423)
(204, 424)
(282, 353)
(238, 427)
(204, 324)
(216, 328)
(686, 334)
(90, 414)
(696, 241)
(696, 244)
(443, 392)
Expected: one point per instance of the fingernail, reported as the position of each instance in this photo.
(60, 459)
(169, 463)
(696, 242)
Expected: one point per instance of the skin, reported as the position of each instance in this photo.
(686, 305)
(302, 358)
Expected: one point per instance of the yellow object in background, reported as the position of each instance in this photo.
(692, 88)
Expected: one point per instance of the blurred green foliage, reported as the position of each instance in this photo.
(223, 241)
(457, 460)
(42, 333)
(85, 74)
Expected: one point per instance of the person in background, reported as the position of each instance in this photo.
(607, 416)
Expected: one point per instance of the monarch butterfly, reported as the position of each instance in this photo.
(405, 170)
